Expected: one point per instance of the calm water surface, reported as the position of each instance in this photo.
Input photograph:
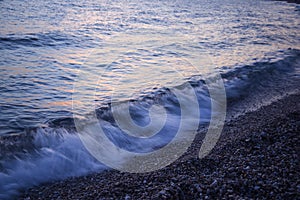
(131, 46)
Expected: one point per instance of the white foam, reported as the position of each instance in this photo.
(61, 155)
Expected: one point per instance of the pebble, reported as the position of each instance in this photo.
(256, 187)
(256, 158)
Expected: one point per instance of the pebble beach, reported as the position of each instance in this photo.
(152, 74)
(257, 157)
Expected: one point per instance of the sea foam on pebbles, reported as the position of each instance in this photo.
(257, 156)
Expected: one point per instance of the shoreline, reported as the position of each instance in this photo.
(256, 157)
(290, 1)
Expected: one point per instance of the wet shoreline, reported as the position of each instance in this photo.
(290, 1)
(256, 157)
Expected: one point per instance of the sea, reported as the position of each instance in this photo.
(63, 61)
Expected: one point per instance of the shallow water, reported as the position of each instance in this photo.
(63, 57)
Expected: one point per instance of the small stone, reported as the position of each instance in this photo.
(256, 187)
(162, 192)
(214, 183)
(198, 187)
(264, 135)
